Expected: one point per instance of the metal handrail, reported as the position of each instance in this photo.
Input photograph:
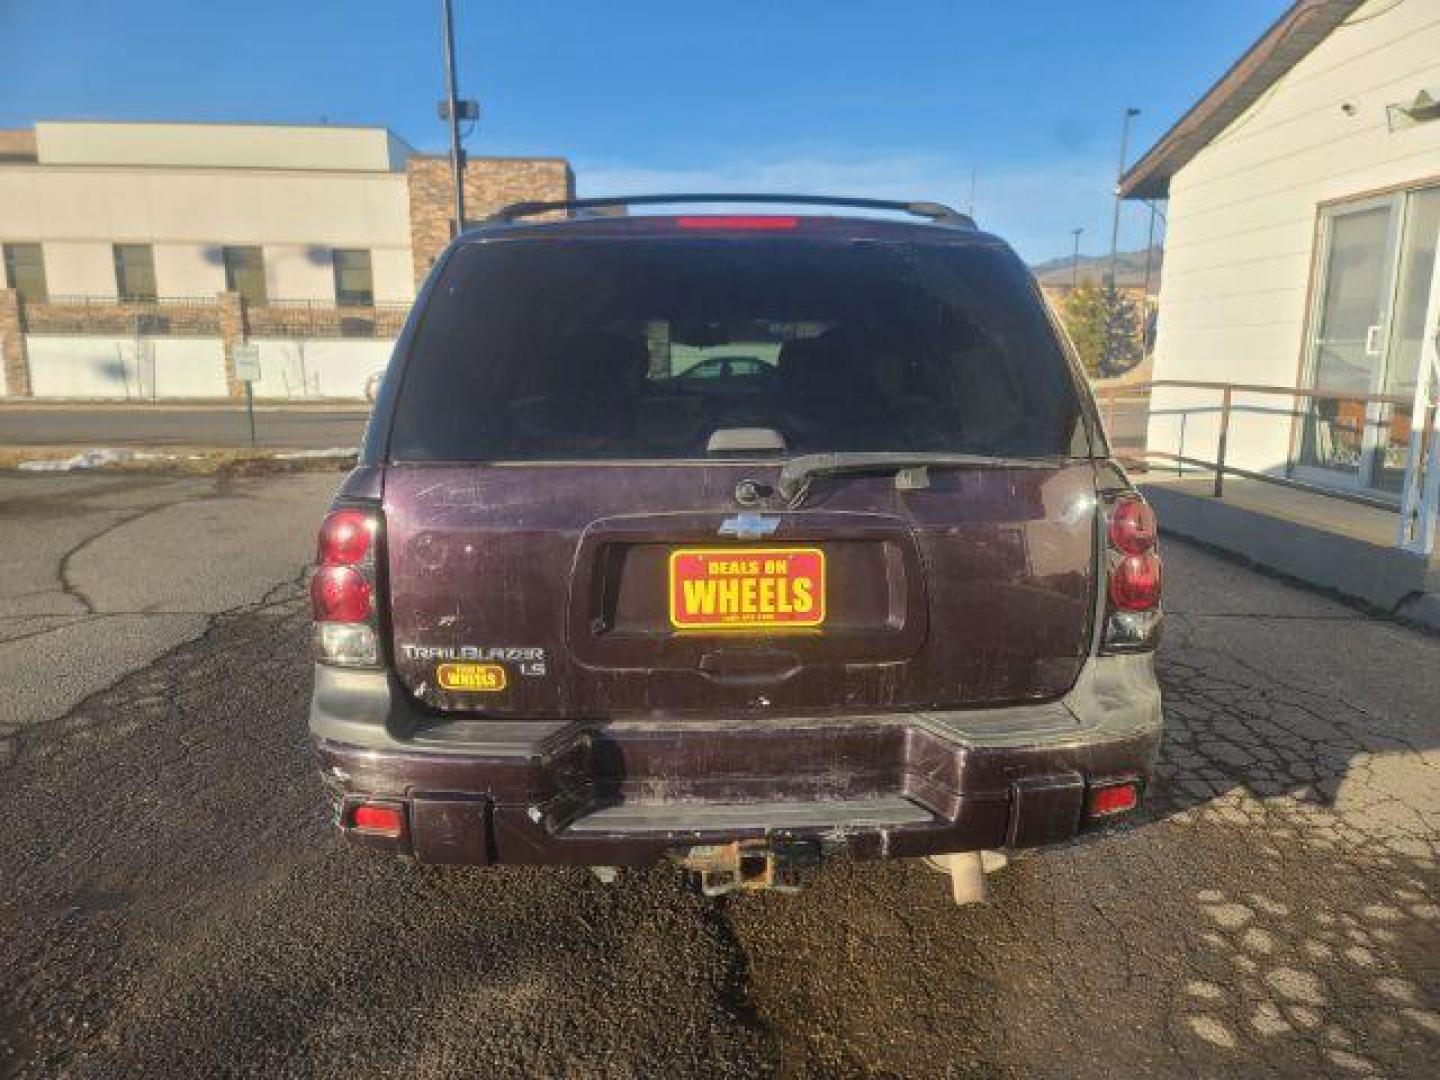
(1375, 502)
(1420, 453)
(1257, 388)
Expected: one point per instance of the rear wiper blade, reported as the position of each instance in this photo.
(795, 477)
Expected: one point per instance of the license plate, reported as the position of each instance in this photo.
(749, 589)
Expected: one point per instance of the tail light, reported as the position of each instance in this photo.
(342, 589)
(1132, 527)
(1132, 610)
(1135, 582)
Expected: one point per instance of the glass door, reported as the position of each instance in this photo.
(1347, 344)
(1416, 285)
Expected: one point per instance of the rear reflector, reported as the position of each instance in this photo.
(761, 223)
(379, 820)
(1114, 799)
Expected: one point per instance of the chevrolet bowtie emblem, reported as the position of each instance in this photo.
(746, 526)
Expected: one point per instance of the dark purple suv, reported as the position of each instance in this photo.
(739, 540)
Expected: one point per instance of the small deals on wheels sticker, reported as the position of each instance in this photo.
(481, 678)
(746, 588)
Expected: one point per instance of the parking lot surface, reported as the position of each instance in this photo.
(174, 904)
(281, 427)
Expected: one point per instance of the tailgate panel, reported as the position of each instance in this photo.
(975, 591)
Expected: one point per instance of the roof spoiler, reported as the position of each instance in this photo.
(938, 213)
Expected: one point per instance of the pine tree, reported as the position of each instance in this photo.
(1104, 323)
(1122, 333)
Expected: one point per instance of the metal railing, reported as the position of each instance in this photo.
(1418, 496)
(320, 318)
(163, 316)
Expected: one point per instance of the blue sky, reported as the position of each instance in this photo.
(844, 96)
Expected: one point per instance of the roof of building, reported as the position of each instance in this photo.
(322, 147)
(1286, 43)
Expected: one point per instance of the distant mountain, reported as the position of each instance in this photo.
(1129, 269)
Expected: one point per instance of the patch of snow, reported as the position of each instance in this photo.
(330, 452)
(86, 459)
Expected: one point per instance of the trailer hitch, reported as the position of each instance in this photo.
(749, 864)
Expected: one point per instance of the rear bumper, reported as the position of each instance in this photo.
(625, 792)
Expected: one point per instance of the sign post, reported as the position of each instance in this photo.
(247, 370)
(145, 363)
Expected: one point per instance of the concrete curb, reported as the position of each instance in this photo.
(1422, 611)
(1385, 578)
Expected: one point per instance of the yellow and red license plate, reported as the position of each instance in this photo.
(751, 589)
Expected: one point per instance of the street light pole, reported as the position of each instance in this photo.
(1145, 287)
(1075, 258)
(452, 99)
(1130, 114)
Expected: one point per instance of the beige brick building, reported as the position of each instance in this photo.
(135, 256)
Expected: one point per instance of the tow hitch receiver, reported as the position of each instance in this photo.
(749, 864)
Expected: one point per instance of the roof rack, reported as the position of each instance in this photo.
(933, 211)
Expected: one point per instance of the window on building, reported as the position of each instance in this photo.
(354, 285)
(25, 271)
(245, 273)
(135, 271)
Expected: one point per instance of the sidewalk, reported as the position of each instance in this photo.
(1336, 545)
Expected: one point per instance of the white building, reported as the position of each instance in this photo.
(1303, 218)
(121, 243)
(189, 202)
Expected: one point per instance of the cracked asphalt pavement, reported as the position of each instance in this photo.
(172, 902)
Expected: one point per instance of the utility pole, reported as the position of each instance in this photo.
(1130, 114)
(1075, 258)
(452, 110)
(970, 207)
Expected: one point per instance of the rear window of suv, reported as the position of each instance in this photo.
(598, 349)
